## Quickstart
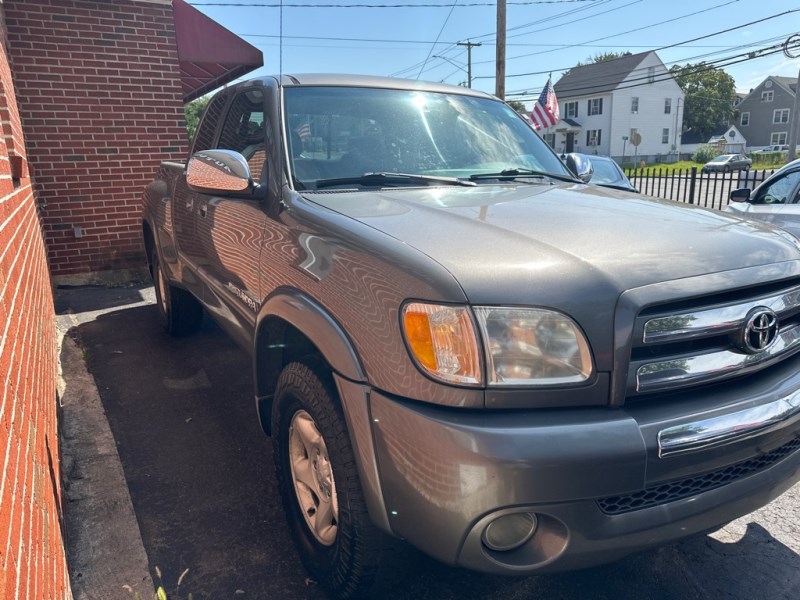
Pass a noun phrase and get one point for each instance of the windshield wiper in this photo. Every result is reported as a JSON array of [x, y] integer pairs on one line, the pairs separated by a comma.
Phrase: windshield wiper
[[384, 178], [521, 172]]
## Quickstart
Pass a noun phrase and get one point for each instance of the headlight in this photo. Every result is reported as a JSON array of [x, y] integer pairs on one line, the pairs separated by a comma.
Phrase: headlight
[[443, 342], [533, 346]]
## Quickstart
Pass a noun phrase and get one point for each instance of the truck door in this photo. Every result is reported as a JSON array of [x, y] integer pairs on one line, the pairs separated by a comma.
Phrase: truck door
[[185, 201], [230, 229]]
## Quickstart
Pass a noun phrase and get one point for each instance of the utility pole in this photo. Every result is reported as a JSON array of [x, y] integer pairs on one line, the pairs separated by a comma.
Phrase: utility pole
[[794, 122], [794, 119], [500, 61], [469, 46]]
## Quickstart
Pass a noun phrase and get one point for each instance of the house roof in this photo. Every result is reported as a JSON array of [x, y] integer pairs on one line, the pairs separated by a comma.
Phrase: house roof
[[597, 78], [695, 137], [787, 82]]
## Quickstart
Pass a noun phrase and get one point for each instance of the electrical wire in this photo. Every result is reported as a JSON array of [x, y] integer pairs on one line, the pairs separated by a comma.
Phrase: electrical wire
[[441, 30], [425, 5]]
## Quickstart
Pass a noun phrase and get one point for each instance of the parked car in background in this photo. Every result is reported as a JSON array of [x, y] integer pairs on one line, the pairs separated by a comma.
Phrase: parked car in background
[[603, 170], [776, 200], [727, 163], [777, 148]]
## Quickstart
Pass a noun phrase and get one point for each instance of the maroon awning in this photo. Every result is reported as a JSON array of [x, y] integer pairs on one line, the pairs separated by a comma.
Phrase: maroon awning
[[209, 54]]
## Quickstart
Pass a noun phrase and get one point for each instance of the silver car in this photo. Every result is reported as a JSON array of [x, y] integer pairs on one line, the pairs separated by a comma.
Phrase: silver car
[[727, 163], [776, 200]]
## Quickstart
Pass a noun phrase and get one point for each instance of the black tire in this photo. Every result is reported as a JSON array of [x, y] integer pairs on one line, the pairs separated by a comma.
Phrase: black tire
[[344, 553], [179, 312]]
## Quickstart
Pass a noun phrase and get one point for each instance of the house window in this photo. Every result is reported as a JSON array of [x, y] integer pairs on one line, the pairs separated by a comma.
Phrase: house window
[[592, 137], [777, 139], [767, 96], [595, 106], [667, 106], [635, 105], [651, 74], [665, 135], [780, 116], [744, 120], [550, 139], [571, 110]]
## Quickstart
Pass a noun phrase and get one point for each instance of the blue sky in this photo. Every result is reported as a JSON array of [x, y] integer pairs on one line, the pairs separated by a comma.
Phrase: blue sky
[[548, 36]]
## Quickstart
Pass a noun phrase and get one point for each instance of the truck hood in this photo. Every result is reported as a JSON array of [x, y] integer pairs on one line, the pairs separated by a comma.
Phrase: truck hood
[[525, 243]]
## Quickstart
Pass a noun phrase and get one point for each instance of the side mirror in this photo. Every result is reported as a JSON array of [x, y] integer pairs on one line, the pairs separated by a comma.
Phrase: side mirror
[[580, 166], [740, 195], [218, 172]]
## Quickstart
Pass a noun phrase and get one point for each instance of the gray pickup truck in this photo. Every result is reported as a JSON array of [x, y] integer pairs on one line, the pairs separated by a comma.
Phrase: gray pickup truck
[[458, 343]]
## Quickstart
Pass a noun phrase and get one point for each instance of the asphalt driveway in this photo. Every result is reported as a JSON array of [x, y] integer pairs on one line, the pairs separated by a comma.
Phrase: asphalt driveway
[[199, 473]]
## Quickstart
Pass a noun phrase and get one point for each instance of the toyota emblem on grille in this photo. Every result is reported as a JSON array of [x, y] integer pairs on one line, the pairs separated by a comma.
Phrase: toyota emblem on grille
[[760, 330]]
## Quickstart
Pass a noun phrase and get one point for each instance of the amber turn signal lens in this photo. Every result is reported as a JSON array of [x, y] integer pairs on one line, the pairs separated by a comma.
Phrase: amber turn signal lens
[[443, 341]]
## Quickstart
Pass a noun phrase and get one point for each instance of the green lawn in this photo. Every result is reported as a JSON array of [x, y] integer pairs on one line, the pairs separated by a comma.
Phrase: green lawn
[[758, 163]]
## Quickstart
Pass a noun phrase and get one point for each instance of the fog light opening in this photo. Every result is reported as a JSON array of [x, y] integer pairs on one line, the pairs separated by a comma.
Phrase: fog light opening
[[509, 531]]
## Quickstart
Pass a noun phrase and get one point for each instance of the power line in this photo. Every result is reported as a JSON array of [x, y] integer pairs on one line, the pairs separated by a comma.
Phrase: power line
[[563, 14], [630, 30], [397, 41], [685, 59], [426, 5], [667, 75], [441, 30], [696, 39]]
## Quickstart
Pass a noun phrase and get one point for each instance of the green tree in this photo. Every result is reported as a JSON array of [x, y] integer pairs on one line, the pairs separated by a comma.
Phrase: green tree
[[709, 92], [600, 57], [518, 106], [193, 111], [603, 57]]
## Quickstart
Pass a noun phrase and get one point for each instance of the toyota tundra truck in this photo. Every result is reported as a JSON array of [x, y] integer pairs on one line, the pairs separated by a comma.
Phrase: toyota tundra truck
[[457, 342]]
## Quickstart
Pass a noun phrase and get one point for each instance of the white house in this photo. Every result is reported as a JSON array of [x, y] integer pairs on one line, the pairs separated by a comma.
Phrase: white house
[[726, 138], [608, 105]]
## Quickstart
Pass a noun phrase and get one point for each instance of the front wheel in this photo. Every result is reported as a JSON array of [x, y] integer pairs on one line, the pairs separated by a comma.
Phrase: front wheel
[[319, 483]]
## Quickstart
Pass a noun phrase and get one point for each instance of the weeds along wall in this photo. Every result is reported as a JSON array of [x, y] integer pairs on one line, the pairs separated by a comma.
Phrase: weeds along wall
[[32, 556]]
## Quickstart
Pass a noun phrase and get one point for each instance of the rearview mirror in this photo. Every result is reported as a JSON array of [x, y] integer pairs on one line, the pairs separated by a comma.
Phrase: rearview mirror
[[740, 195], [580, 166]]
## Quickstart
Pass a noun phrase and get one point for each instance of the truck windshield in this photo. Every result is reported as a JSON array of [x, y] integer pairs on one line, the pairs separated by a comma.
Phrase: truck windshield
[[346, 132]]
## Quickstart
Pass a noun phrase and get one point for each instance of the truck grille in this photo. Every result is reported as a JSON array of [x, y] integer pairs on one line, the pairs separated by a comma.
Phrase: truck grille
[[713, 339], [685, 488]]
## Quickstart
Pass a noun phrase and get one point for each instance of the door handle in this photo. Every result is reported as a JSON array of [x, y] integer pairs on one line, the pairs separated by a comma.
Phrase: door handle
[[202, 210]]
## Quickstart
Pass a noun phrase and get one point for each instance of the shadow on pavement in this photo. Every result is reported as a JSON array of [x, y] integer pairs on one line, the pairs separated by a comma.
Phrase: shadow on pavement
[[201, 480]]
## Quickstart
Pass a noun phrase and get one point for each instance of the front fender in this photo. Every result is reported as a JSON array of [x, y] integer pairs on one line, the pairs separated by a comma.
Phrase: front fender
[[289, 314]]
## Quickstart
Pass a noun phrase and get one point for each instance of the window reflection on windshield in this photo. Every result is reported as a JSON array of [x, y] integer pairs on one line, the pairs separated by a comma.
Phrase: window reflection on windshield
[[337, 132]]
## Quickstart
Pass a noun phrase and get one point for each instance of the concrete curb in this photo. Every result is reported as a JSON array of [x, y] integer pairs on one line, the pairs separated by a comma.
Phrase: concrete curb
[[105, 553]]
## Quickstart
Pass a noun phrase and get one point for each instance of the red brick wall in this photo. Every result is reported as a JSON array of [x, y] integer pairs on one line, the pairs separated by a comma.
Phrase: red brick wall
[[98, 85], [32, 558]]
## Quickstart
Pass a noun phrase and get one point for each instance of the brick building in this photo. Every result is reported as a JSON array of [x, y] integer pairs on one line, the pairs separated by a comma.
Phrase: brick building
[[91, 100]]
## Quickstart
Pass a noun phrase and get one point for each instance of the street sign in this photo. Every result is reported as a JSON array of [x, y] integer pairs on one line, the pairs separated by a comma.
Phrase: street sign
[[624, 138]]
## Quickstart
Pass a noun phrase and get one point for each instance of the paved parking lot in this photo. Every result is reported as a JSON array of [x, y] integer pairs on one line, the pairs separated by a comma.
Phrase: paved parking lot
[[199, 473]]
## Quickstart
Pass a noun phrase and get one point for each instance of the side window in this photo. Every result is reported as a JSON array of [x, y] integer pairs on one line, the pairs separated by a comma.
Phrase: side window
[[244, 129], [779, 191], [204, 138]]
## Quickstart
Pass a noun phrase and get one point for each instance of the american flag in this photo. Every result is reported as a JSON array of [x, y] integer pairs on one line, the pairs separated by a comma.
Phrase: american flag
[[545, 111], [304, 131]]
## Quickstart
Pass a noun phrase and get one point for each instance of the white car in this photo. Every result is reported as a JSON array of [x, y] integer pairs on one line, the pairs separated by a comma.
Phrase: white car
[[776, 200], [777, 148]]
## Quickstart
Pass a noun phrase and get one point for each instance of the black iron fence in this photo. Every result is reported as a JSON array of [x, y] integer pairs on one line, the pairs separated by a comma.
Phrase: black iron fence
[[693, 186]]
